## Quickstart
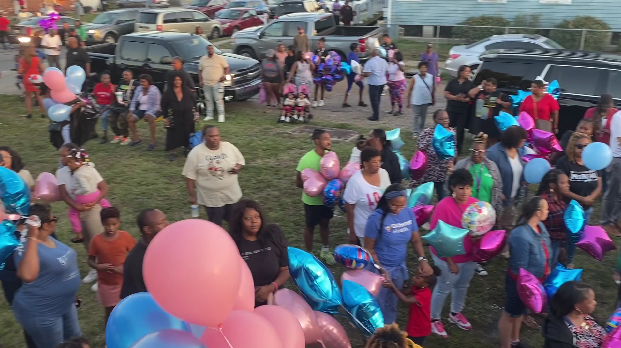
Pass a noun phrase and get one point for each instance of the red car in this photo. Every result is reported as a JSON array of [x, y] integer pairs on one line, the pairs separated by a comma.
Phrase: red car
[[236, 19], [208, 7]]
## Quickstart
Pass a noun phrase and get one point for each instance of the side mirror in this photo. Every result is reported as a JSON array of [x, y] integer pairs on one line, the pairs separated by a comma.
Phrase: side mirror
[[166, 60]]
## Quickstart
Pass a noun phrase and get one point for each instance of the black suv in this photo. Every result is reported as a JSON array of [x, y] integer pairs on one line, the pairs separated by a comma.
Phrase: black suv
[[583, 77]]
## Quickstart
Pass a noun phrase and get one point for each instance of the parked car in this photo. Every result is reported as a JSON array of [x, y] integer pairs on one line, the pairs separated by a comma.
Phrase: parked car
[[254, 42], [179, 19], [236, 19], [294, 6], [258, 5], [152, 52], [208, 7], [29, 29], [582, 76], [142, 3], [469, 54], [109, 26]]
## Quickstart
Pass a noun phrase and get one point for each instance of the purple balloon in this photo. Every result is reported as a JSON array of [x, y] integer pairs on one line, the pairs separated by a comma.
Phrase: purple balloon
[[422, 213], [595, 242], [526, 121], [418, 165], [490, 246], [531, 292], [544, 142]]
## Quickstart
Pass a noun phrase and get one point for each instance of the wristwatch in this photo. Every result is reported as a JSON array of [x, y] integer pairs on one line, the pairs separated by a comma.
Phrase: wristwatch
[[422, 258]]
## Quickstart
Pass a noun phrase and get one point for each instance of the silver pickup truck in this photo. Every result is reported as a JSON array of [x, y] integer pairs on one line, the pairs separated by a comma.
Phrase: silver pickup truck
[[254, 42]]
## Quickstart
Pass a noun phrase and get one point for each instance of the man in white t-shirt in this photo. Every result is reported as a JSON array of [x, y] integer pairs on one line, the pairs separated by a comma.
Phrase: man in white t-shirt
[[51, 42], [611, 205]]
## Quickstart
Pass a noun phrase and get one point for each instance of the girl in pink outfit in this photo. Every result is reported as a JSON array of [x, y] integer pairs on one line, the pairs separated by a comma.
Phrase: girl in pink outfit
[[86, 178]]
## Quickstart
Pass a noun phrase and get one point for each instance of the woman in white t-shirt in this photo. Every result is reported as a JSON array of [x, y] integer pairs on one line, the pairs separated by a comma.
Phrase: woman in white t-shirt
[[396, 82], [363, 192]]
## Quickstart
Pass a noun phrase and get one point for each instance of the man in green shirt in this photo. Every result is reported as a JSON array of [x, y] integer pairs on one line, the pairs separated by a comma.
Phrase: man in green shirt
[[315, 210]]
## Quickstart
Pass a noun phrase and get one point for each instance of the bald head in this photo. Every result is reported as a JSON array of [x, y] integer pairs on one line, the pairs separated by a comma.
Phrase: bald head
[[73, 42]]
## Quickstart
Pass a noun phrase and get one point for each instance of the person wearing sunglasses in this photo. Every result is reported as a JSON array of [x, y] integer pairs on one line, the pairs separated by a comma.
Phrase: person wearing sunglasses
[[585, 184]]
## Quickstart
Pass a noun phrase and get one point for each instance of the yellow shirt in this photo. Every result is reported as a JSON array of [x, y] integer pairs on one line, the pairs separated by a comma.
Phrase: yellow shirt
[[215, 186], [212, 69]]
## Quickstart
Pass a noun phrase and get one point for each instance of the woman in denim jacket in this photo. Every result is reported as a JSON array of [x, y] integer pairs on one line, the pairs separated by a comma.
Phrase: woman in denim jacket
[[529, 244], [145, 104]]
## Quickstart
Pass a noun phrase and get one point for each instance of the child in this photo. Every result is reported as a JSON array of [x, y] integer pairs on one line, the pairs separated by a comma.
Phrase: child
[[419, 299], [288, 104], [85, 188], [361, 143], [104, 92], [301, 104], [107, 254], [75, 342]]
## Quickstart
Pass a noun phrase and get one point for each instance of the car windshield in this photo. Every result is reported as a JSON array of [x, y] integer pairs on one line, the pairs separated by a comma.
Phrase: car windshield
[[477, 43], [192, 48], [228, 14], [236, 4], [199, 3], [553, 44], [105, 18]]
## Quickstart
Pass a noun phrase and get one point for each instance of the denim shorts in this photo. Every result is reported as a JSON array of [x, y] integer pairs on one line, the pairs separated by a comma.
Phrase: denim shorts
[[513, 304]]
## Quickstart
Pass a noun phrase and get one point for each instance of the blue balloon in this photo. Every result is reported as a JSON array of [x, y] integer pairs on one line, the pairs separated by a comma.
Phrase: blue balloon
[[345, 66], [404, 164], [597, 156], [169, 339], [14, 192], [332, 192], [73, 88], [137, 316], [504, 121], [448, 240], [575, 220], [443, 143], [422, 195], [362, 308], [59, 112], [352, 256], [558, 277], [75, 75], [394, 136], [314, 279], [8, 241], [48, 103], [535, 169]]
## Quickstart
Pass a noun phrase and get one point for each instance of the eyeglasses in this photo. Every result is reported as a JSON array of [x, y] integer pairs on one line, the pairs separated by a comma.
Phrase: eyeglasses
[[580, 146], [477, 152]]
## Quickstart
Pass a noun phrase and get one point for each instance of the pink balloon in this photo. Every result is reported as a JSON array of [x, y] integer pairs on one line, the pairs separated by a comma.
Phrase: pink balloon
[[314, 186], [418, 165], [358, 78], [531, 291], [371, 281], [595, 242], [350, 169], [46, 188], [192, 270], [245, 295], [240, 330], [63, 96], [330, 165], [304, 314], [422, 213], [287, 327], [491, 245], [333, 334], [526, 121], [544, 142], [54, 79]]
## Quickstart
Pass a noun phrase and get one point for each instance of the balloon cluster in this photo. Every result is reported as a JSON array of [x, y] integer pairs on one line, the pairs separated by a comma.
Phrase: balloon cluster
[[49, 22], [331, 71], [64, 90]]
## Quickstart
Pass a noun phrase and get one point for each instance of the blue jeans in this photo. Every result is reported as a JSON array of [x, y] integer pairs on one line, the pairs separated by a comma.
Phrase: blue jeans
[[47, 332], [387, 298]]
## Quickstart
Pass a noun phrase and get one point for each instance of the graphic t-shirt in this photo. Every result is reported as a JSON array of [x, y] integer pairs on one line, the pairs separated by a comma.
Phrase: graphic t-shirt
[[483, 182], [215, 186], [391, 239], [113, 252], [310, 160], [582, 180], [264, 259], [364, 197]]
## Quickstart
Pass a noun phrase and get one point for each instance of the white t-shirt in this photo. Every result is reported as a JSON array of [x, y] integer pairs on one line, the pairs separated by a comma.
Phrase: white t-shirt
[[365, 198], [394, 73], [82, 181], [615, 133], [50, 41], [517, 168]]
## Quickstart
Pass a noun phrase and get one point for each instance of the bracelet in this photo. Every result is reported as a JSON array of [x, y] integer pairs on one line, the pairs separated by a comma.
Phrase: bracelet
[[275, 286]]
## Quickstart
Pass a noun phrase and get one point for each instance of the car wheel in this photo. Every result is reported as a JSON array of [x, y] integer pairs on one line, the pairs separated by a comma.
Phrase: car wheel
[[248, 52], [235, 30], [109, 38], [215, 33]]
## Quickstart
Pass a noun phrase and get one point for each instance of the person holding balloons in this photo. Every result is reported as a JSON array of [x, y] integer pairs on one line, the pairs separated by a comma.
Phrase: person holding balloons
[[263, 247], [570, 323], [31, 66], [553, 188], [529, 245]]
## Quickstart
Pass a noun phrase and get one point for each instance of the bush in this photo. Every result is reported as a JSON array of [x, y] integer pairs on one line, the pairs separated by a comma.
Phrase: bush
[[526, 21], [475, 34], [594, 40]]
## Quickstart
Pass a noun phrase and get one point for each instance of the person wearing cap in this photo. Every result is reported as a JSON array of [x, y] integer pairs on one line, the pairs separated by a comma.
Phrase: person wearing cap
[[212, 72], [272, 76], [431, 57], [177, 65], [301, 41]]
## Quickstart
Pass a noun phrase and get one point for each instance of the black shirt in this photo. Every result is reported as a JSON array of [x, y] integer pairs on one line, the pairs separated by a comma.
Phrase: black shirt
[[455, 88], [265, 258], [77, 56], [132, 271], [489, 109], [582, 180]]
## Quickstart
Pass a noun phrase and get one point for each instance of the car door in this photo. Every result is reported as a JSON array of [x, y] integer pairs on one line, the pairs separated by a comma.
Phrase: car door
[[154, 62], [125, 23], [271, 36]]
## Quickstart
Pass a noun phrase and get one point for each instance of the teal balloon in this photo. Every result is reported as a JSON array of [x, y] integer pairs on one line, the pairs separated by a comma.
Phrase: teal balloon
[[394, 136], [14, 192], [59, 112], [8, 241], [447, 240], [504, 121], [169, 339], [362, 308], [314, 280], [558, 277], [75, 75], [597, 156], [535, 169], [404, 164], [575, 220], [137, 316], [443, 143], [421, 196]]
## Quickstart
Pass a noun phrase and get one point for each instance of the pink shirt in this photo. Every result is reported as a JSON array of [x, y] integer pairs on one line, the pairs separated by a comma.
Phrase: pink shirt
[[450, 212]]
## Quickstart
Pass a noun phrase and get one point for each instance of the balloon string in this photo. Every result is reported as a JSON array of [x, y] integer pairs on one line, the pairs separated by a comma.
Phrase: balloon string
[[226, 339]]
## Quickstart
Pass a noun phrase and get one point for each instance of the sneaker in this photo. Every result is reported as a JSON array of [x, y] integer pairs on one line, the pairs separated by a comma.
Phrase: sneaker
[[115, 140], [480, 271], [314, 104], [95, 287], [208, 118], [327, 257], [91, 276], [135, 143], [438, 329], [459, 320], [126, 141], [320, 103]]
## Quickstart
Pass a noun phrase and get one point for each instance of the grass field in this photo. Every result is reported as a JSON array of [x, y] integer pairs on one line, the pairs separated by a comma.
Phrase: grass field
[[139, 179]]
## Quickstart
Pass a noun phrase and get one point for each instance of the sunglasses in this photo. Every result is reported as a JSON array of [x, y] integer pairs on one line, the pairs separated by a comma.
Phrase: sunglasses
[[580, 146]]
